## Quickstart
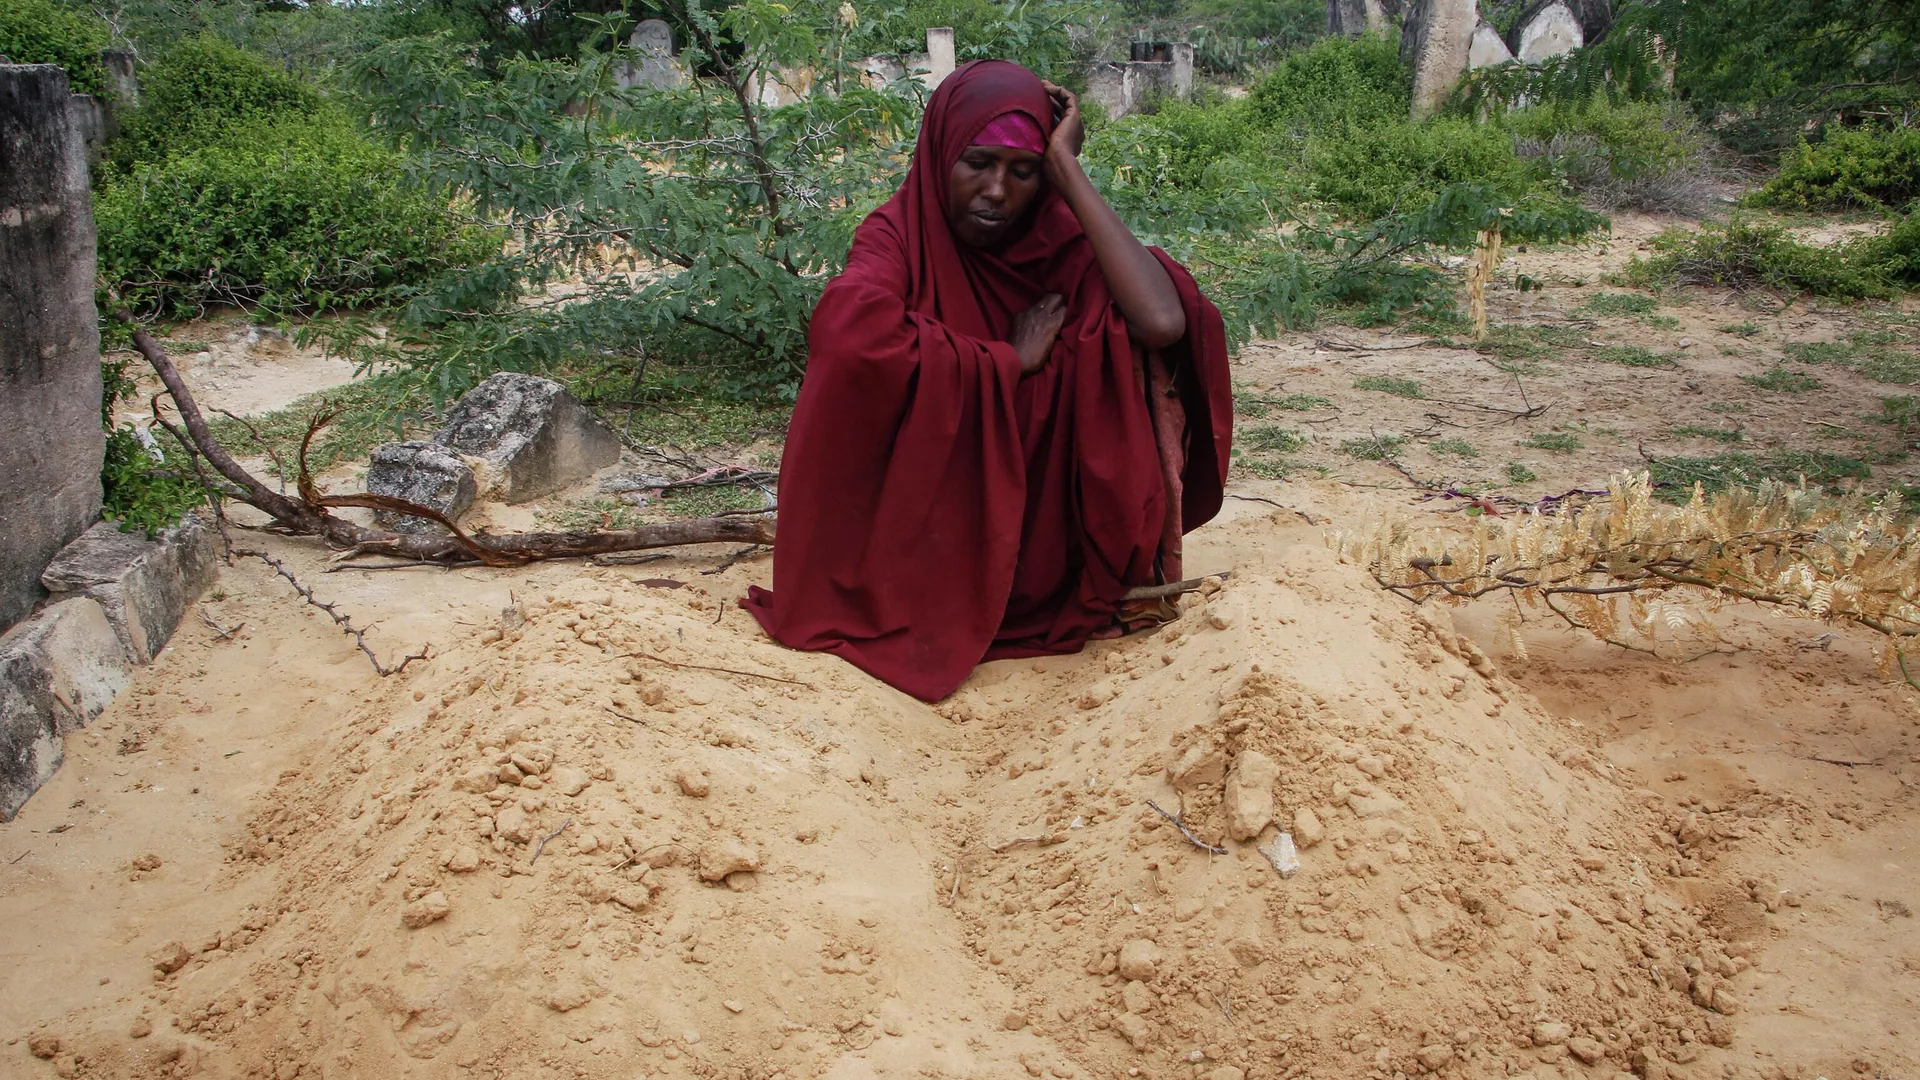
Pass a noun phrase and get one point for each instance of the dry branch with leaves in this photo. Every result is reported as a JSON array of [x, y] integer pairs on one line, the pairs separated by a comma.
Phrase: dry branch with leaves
[[1631, 569]]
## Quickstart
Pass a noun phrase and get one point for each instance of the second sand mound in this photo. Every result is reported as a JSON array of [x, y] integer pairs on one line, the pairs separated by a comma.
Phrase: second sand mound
[[620, 834]]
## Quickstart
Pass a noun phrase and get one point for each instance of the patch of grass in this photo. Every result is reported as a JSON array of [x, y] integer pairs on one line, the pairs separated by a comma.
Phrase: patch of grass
[[1902, 412], [185, 346], [1560, 442], [1719, 435], [699, 423], [1275, 468], [1871, 353], [1726, 407], [1518, 349], [1519, 473], [1374, 447], [1618, 303], [1820, 468], [1632, 356], [1406, 388], [1744, 329], [1783, 379], [1662, 322], [1273, 438], [1256, 406], [371, 411], [1459, 448]]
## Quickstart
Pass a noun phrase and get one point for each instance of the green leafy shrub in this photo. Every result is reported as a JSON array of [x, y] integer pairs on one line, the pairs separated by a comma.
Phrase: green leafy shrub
[[43, 32], [1368, 172], [1744, 254], [145, 483], [293, 215], [1734, 469], [201, 89], [1626, 154], [1337, 82], [1870, 168]]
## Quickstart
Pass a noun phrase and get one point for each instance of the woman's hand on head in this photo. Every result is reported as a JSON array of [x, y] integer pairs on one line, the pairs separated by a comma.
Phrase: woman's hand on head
[[1069, 131], [1036, 329]]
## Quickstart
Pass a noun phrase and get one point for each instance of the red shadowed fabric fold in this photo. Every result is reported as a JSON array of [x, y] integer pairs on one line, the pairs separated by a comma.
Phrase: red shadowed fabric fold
[[937, 509]]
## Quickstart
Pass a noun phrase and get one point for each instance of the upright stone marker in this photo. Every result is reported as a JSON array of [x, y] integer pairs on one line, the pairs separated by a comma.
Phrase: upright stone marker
[[1436, 40], [939, 55], [1550, 30], [1487, 50], [51, 444]]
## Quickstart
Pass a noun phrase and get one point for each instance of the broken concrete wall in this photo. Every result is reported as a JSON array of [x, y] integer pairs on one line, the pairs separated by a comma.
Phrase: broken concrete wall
[[144, 585], [51, 444], [57, 671]]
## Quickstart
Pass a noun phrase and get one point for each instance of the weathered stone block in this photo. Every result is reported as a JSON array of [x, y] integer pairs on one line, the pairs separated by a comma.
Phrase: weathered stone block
[[535, 437], [57, 671], [144, 585], [1435, 42], [51, 444], [424, 473]]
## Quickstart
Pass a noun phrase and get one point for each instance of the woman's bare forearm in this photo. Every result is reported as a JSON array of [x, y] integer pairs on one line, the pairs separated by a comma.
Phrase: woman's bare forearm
[[1139, 283]]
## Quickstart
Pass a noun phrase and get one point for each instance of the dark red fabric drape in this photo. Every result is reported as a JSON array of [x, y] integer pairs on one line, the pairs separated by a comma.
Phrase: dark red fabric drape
[[937, 509]]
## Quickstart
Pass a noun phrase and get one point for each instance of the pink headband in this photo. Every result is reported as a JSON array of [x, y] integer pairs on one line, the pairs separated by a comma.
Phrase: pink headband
[[1015, 129]]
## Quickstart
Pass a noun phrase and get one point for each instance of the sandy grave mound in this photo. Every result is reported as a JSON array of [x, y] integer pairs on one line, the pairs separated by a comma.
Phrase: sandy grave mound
[[565, 848]]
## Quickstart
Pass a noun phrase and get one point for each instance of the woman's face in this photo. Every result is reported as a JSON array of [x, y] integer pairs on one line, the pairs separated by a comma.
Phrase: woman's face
[[989, 193]]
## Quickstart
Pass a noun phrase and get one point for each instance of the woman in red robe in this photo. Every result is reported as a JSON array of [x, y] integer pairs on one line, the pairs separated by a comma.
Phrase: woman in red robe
[[1011, 413]]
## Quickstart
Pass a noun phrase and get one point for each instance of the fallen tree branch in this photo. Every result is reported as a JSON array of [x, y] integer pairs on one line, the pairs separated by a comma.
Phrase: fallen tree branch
[[307, 515], [345, 623], [1172, 588]]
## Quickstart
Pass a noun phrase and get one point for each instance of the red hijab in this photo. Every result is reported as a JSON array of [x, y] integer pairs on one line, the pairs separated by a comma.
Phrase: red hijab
[[938, 509]]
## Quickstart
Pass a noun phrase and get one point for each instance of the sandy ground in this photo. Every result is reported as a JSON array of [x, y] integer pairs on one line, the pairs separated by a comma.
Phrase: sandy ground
[[608, 830]]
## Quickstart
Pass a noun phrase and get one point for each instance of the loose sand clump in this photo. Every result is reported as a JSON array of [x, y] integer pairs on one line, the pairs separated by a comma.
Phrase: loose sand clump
[[563, 848]]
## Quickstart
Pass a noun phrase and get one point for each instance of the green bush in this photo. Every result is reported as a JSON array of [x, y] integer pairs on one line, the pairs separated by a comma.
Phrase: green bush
[[1743, 254], [198, 91], [1337, 82], [146, 483], [290, 215], [1868, 168], [1639, 154], [1895, 254], [42, 32], [1371, 171]]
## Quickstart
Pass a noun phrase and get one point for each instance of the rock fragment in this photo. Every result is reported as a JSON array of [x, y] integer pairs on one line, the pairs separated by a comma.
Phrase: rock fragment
[[1249, 794], [727, 855], [1307, 830], [170, 957], [1139, 959], [692, 779], [430, 908], [1551, 1033]]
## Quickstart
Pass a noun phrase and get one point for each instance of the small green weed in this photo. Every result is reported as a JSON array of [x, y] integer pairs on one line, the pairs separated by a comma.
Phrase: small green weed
[[1518, 349], [1618, 304], [1255, 406], [1518, 473], [1374, 447], [1560, 442], [1902, 411], [1662, 322], [1406, 388], [1720, 435], [1783, 379], [1272, 438], [1459, 448], [1745, 329], [1631, 356]]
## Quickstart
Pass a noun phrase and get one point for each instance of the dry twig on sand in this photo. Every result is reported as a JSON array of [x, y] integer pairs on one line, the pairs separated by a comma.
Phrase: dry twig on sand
[[344, 622], [1184, 831]]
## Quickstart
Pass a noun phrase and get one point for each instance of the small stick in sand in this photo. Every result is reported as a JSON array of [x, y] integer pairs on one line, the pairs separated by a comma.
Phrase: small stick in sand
[[1192, 839], [544, 839]]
